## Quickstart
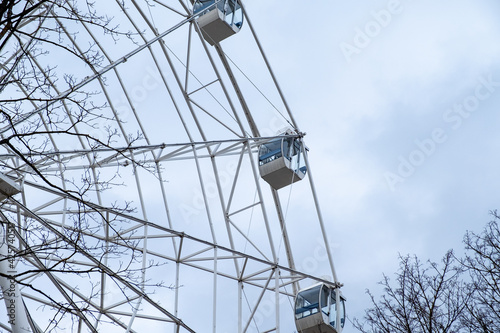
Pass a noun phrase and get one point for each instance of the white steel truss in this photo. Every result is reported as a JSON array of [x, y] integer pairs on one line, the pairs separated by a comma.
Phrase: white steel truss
[[141, 205]]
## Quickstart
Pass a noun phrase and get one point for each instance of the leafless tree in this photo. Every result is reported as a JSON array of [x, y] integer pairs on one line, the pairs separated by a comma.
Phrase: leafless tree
[[34, 36], [460, 295], [482, 261], [424, 298]]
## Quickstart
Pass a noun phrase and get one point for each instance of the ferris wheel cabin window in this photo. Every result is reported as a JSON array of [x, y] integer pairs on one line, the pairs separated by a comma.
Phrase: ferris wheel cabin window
[[270, 151], [307, 303], [317, 311], [281, 162]]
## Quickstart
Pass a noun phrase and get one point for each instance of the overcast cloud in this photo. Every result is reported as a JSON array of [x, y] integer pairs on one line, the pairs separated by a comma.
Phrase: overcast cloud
[[400, 101], [401, 104]]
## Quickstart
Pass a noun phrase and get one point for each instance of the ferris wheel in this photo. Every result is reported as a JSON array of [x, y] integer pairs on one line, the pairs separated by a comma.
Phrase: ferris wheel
[[152, 177]]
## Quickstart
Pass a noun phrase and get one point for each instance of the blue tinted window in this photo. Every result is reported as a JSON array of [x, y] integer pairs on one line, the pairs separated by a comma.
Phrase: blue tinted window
[[307, 302]]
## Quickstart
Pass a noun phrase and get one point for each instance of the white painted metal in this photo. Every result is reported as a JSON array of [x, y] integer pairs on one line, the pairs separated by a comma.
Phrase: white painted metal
[[214, 28], [7, 187], [16, 312], [279, 161], [182, 204], [217, 19], [316, 315]]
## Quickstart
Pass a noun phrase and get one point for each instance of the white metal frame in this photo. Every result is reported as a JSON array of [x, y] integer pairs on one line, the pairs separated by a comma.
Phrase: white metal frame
[[256, 269]]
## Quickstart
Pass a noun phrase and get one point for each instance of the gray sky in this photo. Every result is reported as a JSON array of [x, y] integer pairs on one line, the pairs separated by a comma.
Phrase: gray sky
[[400, 102]]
